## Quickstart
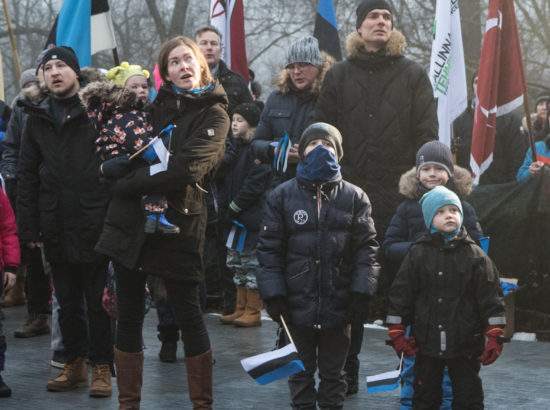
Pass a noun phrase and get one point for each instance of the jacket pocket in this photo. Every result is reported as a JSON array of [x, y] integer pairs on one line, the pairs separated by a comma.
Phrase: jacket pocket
[[279, 113], [93, 210], [49, 227]]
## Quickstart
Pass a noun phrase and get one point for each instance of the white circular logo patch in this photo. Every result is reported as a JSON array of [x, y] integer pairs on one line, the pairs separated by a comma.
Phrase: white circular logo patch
[[300, 217]]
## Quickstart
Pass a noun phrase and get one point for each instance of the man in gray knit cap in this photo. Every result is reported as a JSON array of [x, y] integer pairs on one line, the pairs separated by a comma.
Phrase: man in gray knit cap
[[382, 103]]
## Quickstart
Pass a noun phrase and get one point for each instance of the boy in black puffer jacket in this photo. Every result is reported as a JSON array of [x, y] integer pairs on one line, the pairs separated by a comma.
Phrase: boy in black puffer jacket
[[317, 254], [448, 290]]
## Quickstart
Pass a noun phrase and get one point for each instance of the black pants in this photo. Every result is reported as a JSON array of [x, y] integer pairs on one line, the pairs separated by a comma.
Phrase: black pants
[[464, 374], [85, 326], [38, 283], [326, 349], [356, 341], [184, 301]]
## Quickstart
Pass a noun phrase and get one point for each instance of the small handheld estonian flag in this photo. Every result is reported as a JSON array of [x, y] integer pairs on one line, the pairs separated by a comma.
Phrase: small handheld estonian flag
[[385, 381], [277, 364], [236, 237], [157, 150], [280, 161]]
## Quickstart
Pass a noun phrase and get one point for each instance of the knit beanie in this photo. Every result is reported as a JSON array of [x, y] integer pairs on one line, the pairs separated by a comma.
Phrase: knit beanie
[[28, 76], [366, 6], [434, 152], [250, 112], [65, 54], [436, 198], [324, 131], [304, 50], [543, 96], [119, 75]]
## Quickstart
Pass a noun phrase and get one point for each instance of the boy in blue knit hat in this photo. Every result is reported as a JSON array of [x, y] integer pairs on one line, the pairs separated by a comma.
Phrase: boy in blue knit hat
[[448, 290]]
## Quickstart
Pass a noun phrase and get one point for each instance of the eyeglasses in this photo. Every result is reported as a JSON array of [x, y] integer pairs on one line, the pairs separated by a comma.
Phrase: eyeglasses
[[298, 66]]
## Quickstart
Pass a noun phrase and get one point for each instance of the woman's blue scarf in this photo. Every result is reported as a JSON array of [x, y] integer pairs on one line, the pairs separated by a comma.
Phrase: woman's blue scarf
[[319, 165], [194, 91]]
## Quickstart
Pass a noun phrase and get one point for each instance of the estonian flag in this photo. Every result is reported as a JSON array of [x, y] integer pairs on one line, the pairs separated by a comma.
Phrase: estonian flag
[[84, 25], [236, 237], [277, 364], [383, 381], [326, 29]]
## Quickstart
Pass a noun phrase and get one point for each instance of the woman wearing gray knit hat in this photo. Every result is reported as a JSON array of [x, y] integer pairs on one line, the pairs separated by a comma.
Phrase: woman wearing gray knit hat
[[291, 107]]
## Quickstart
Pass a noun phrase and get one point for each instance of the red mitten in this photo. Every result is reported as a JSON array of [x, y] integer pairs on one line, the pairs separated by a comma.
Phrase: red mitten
[[400, 343], [493, 349]]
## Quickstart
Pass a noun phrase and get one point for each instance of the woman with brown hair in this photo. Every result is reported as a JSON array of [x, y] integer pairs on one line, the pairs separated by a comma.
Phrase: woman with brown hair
[[194, 103]]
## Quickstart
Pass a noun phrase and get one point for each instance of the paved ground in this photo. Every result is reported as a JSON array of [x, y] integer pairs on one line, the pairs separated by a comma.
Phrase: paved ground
[[518, 380]]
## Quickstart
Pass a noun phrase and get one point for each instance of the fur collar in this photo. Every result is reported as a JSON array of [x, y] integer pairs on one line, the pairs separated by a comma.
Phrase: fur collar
[[34, 94], [394, 47], [408, 183], [99, 91], [283, 79]]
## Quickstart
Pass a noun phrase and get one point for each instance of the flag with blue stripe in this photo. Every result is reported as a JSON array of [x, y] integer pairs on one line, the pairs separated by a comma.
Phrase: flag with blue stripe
[[326, 29], [383, 382], [275, 365]]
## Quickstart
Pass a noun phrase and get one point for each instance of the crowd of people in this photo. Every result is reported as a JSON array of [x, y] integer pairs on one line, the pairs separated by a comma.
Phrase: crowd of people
[[332, 194]]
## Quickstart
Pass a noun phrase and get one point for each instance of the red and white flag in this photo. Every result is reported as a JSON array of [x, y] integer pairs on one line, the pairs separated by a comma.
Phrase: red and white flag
[[228, 17], [501, 81]]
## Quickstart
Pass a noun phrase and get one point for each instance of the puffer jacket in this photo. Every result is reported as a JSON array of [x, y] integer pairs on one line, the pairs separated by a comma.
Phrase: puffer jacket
[[287, 110], [60, 198], [383, 105], [196, 147], [10, 255], [449, 293], [316, 259], [407, 224], [509, 149]]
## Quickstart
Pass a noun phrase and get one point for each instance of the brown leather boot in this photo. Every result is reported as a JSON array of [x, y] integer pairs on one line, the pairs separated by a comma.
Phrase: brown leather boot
[[37, 324], [239, 310], [199, 379], [73, 375], [16, 295], [129, 378], [252, 314], [101, 381]]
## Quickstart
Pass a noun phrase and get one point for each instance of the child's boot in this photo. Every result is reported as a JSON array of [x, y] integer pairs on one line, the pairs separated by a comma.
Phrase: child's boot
[[37, 324], [16, 295], [252, 314], [239, 310]]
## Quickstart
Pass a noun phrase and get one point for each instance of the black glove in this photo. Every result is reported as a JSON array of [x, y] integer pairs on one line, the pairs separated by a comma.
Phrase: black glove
[[359, 307], [228, 218], [116, 168], [276, 307]]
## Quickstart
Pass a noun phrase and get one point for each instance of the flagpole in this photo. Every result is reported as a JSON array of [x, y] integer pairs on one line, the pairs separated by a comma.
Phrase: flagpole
[[12, 40], [115, 57], [529, 128], [286, 328]]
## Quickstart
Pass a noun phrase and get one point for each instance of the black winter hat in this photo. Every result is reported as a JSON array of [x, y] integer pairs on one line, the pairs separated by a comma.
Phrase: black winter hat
[[366, 6], [434, 152], [250, 112], [543, 96], [324, 131], [65, 54]]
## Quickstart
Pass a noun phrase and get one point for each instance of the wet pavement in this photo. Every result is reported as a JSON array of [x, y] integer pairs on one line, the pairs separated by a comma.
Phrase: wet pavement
[[518, 380]]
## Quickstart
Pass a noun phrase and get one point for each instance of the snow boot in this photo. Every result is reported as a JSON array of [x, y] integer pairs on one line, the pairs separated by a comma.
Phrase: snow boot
[[101, 381], [252, 314], [74, 374], [239, 310], [169, 336]]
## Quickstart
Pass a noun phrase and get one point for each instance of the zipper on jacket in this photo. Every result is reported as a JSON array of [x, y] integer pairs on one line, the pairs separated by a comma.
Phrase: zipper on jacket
[[318, 255]]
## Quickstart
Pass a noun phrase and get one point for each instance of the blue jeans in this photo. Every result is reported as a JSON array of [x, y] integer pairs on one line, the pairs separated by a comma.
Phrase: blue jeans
[[79, 288]]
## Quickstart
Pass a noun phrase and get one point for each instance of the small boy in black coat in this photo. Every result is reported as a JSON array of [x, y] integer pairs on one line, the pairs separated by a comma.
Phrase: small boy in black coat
[[448, 290], [317, 254]]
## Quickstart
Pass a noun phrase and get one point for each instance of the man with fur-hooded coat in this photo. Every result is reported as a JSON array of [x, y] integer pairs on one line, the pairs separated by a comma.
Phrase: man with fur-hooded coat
[[382, 103]]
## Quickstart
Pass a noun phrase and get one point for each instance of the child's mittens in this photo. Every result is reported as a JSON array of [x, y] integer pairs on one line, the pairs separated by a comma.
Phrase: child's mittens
[[116, 168], [493, 348], [276, 307], [400, 343]]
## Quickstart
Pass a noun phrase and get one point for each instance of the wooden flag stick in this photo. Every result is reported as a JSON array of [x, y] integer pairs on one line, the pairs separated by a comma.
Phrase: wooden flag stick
[[12, 40], [135, 154], [286, 329], [529, 127]]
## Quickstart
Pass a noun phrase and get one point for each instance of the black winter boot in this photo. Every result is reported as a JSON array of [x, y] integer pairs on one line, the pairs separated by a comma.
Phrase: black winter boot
[[169, 336], [5, 391]]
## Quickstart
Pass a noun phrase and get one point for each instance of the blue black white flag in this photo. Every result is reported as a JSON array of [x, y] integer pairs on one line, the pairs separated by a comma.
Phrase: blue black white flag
[[236, 237], [326, 29], [383, 381], [271, 366]]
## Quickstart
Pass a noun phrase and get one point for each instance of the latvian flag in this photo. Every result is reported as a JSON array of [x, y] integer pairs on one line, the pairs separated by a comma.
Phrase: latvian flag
[[383, 382], [277, 364], [85, 26]]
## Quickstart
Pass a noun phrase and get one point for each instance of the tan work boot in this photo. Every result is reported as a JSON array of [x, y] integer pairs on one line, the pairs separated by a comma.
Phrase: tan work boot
[[252, 314], [16, 295], [37, 324], [239, 310], [73, 375], [101, 381]]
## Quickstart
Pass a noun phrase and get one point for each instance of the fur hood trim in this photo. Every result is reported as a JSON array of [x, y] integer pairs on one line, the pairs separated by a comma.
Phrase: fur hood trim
[[283, 78], [408, 183], [394, 47], [105, 92], [34, 94]]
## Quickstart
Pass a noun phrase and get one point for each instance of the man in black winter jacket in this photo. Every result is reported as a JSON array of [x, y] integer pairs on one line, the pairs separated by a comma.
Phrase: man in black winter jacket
[[382, 103], [61, 205]]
